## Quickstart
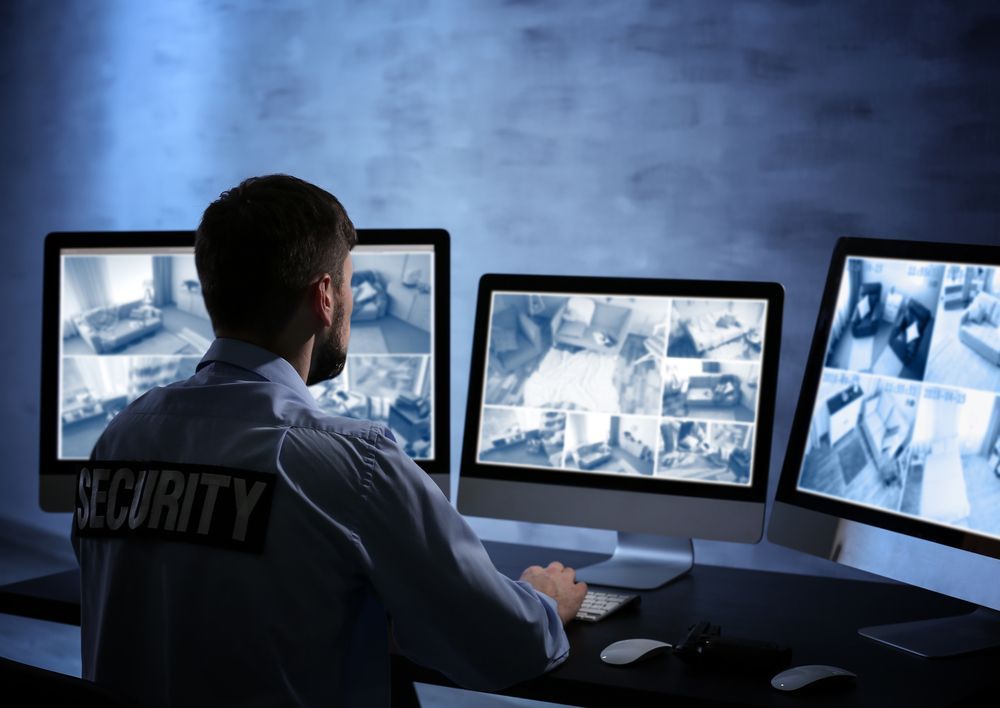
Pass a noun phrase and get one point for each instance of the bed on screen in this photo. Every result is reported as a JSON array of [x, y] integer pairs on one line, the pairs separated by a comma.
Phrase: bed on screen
[[580, 380], [944, 497], [713, 330]]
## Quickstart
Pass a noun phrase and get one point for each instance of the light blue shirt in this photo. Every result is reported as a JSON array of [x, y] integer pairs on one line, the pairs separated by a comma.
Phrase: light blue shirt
[[357, 531]]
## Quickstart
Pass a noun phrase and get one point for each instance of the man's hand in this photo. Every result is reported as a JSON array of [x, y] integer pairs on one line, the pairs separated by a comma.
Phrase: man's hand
[[559, 583]]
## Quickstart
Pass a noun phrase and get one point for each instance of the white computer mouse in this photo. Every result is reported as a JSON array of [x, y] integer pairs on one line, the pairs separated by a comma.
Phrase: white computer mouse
[[629, 650], [801, 676]]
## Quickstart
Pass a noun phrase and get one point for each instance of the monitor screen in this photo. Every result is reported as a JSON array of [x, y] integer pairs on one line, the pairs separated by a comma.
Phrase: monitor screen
[[893, 464], [664, 388], [636, 405], [906, 418], [125, 313], [131, 319]]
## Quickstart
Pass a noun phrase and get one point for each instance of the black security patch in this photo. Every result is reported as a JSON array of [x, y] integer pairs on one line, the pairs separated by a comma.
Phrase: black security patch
[[168, 501]]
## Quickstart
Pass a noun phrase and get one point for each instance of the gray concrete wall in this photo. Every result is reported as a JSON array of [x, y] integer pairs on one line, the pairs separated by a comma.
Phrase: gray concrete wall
[[661, 139]]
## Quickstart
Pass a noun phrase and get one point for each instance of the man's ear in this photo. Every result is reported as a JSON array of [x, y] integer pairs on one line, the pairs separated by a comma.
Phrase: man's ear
[[321, 295]]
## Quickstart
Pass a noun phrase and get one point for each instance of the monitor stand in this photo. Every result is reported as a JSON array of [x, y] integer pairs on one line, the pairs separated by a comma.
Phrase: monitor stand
[[641, 562], [943, 636]]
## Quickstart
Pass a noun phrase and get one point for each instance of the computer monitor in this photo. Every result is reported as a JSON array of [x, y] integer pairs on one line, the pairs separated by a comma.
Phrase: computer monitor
[[123, 312], [639, 406], [893, 464]]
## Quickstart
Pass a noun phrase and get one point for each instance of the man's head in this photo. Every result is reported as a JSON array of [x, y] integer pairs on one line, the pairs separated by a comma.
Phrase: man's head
[[273, 258]]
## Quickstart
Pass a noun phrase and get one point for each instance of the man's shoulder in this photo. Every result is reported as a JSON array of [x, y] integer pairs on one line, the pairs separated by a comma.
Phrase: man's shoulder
[[319, 426]]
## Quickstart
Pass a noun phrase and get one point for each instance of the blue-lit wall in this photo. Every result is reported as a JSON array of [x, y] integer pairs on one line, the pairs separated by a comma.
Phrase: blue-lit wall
[[664, 139]]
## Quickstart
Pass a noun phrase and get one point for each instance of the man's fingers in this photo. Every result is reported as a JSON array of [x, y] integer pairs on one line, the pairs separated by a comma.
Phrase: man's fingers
[[531, 571], [555, 565]]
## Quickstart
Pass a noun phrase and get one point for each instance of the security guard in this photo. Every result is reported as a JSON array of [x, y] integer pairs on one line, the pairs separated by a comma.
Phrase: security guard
[[239, 546]]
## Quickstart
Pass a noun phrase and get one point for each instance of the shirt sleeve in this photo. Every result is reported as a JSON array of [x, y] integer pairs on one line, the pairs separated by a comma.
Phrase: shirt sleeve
[[451, 609]]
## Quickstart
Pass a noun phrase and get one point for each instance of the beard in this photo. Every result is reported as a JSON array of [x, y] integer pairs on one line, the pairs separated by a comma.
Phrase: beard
[[330, 352]]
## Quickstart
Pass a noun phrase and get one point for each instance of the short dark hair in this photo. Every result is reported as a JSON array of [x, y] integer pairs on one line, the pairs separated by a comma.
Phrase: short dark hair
[[259, 245]]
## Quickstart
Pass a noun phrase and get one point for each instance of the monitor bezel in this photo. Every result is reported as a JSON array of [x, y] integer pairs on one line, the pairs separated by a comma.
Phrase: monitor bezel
[[51, 468], [756, 491], [787, 489]]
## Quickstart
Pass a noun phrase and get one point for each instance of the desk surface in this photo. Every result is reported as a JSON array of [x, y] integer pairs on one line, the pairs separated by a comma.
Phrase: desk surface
[[817, 617]]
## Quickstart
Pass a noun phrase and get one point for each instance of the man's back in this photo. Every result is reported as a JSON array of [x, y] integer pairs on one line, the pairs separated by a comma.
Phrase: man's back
[[351, 519]]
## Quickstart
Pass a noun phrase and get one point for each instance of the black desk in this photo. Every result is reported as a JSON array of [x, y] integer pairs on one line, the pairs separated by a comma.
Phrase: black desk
[[55, 598], [817, 617]]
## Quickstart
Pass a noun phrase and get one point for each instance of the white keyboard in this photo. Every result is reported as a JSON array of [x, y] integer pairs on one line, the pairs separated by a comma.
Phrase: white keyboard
[[598, 604]]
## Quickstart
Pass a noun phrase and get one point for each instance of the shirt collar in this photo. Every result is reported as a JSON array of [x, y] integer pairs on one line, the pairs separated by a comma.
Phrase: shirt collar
[[258, 360]]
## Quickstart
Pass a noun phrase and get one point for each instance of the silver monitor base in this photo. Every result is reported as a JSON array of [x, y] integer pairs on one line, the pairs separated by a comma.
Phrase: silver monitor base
[[944, 636], [641, 562]]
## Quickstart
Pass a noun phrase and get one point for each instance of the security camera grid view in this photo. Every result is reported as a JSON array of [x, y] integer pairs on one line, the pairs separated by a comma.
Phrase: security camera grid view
[[135, 320], [131, 321], [907, 414], [655, 387]]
